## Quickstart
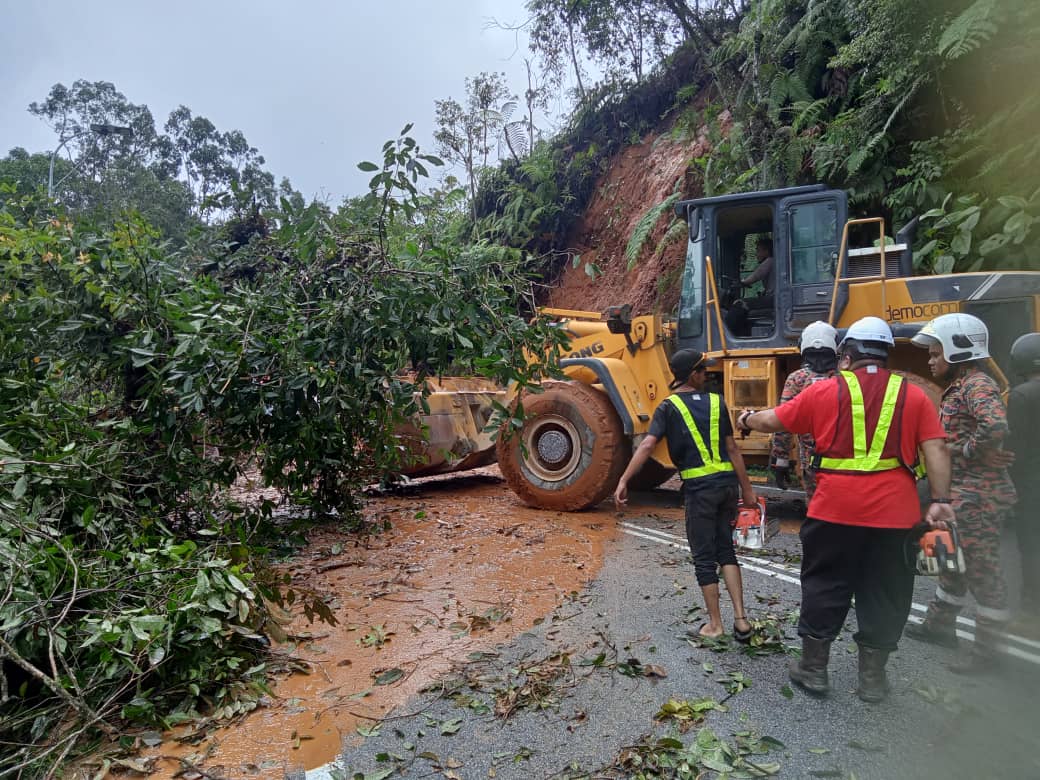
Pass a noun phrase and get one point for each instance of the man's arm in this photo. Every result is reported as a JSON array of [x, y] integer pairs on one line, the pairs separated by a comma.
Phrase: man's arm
[[639, 459], [736, 457], [760, 273], [937, 462], [782, 440], [991, 426], [765, 421]]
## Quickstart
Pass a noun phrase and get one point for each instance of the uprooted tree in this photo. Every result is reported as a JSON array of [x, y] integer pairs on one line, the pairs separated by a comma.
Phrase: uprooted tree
[[136, 385]]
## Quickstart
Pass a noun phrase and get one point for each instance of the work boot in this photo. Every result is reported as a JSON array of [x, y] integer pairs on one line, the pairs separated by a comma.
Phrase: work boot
[[984, 657], [873, 682], [944, 635], [810, 671]]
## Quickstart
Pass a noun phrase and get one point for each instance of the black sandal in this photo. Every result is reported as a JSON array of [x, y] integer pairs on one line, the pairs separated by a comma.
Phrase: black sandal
[[744, 637], [696, 633]]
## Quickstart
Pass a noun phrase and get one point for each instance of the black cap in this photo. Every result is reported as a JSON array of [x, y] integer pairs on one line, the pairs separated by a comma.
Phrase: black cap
[[683, 364]]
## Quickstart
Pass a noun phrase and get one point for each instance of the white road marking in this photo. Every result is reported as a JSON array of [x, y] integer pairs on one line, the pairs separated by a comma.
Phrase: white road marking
[[783, 572]]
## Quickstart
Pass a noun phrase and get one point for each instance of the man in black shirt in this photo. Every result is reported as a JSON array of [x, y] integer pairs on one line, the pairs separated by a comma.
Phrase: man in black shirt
[[1023, 411], [697, 427]]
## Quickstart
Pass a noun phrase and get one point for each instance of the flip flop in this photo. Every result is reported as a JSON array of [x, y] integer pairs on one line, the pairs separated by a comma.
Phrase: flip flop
[[742, 636], [696, 632]]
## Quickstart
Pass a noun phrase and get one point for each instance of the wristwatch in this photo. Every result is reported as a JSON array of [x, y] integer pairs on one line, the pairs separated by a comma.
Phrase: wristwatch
[[742, 420], [939, 501]]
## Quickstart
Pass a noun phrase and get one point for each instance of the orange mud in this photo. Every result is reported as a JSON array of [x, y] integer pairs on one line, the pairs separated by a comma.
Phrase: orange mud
[[464, 567]]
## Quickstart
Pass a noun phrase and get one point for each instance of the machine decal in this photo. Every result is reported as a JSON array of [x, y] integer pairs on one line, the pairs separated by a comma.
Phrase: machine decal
[[593, 349]]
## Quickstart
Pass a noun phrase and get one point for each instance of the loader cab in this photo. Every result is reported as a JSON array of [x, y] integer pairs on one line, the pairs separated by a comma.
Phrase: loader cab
[[800, 227]]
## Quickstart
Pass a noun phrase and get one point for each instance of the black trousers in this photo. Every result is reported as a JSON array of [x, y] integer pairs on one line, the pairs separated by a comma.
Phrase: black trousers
[[1027, 529], [842, 561], [710, 514]]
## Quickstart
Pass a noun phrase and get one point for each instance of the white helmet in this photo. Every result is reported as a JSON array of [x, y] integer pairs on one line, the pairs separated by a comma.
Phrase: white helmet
[[869, 329], [963, 337], [819, 335]]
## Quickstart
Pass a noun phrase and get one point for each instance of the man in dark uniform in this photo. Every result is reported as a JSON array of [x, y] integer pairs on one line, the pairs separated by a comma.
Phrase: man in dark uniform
[[869, 425], [975, 421], [1023, 412], [697, 427]]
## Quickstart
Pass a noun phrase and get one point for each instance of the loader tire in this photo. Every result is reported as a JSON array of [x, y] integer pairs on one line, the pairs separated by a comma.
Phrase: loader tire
[[576, 448]]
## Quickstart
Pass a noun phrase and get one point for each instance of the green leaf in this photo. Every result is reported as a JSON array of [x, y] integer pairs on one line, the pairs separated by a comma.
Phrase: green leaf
[[450, 727], [961, 244], [367, 166], [19, 487], [786, 692], [369, 731], [1013, 202], [389, 676], [1018, 224], [993, 243], [156, 654]]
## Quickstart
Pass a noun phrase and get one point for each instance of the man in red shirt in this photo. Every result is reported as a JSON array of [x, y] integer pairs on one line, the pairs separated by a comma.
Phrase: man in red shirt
[[869, 425]]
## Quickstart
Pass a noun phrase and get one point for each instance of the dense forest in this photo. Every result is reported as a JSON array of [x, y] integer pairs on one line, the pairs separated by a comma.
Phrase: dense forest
[[172, 319]]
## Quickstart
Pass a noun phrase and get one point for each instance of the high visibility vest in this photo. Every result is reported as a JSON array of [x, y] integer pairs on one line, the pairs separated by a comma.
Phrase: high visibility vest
[[713, 464], [863, 458]]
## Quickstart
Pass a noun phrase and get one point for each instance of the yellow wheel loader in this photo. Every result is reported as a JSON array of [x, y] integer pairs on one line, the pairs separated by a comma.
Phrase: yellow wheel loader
[[578, 434]]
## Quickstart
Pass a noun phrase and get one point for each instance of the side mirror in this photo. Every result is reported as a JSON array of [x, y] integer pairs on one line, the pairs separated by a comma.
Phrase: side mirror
[[693, 222]]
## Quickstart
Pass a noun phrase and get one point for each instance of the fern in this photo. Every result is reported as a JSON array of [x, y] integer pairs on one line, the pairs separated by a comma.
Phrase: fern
[[808, 113], [643, 228], [677, 230], [969, 31], [785, 88]]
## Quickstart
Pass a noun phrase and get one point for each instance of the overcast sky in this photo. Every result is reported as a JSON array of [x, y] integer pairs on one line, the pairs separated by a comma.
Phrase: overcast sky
[[316, 85]]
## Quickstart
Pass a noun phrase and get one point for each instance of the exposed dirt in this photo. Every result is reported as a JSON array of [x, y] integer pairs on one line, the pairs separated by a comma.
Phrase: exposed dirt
[[464, 567], [640, 177]]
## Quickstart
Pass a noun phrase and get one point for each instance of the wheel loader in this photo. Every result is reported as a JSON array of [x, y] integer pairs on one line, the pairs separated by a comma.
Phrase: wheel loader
[[578, 434]]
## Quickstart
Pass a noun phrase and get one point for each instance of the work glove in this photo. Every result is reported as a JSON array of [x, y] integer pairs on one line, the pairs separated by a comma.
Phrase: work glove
[[782, 473]]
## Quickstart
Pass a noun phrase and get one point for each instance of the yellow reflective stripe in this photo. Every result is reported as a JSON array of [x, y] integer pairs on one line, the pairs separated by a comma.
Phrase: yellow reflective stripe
[[862, 459], [851, 464], [713, 464]]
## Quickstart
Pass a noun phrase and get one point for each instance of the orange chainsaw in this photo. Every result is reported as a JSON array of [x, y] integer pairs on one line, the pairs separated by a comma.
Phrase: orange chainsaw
[[939, 552]]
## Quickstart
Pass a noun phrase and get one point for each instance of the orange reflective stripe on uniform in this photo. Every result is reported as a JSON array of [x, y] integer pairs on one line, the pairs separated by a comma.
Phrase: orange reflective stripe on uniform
[[864, 459], [713, 464]]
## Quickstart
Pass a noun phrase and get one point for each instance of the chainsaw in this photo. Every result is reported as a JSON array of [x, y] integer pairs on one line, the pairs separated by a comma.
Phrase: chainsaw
[[939, 552]]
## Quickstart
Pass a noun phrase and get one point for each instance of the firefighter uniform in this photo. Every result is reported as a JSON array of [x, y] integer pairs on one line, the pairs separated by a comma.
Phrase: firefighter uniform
[[783, 442], [974, 417]]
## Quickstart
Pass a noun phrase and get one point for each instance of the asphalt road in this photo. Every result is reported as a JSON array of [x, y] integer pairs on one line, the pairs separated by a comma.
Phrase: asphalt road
[[573, 720]]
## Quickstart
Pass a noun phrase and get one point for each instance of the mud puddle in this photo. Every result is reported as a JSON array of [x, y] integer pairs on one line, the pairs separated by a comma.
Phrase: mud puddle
[[463, 567]]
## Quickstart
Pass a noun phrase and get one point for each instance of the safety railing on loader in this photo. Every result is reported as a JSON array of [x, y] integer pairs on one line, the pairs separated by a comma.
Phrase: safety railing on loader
[[841, 267], [842, 263], [713, 301]]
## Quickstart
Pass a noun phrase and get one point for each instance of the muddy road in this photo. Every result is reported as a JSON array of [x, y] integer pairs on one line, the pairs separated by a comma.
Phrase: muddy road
[[479, 638], [461, 567]]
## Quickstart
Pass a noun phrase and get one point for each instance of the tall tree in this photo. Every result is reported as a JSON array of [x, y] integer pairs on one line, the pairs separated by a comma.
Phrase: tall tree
[[465, 135], [96, 126]]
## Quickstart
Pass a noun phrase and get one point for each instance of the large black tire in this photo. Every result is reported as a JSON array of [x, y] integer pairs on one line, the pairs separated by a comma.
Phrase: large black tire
[[576, 448]]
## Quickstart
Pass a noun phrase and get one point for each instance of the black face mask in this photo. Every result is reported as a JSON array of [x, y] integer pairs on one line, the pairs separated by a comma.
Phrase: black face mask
[[820, 361]]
